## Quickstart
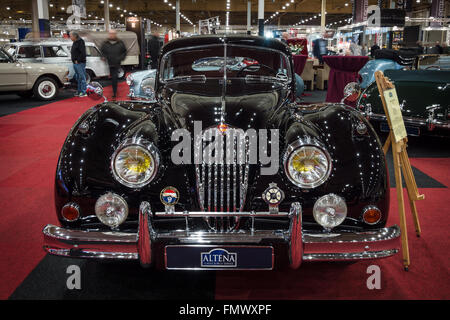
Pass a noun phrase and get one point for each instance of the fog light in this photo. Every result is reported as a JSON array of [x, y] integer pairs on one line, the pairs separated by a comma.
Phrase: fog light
[[330, 211], [111, 209], [371, 215], [70, 212]]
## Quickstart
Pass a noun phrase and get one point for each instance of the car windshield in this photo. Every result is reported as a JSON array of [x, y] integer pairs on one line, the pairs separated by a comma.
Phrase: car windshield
[[249, 63], [4, 57]]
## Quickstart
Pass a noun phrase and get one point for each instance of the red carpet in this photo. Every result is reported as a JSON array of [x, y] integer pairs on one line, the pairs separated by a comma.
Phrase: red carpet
[[30, 142], [428, 277]]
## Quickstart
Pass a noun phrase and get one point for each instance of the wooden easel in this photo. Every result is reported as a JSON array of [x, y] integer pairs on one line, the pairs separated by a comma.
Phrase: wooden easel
[[401, 165]]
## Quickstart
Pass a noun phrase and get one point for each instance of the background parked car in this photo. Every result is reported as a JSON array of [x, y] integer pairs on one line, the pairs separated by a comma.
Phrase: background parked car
[[424, 97], [57, 51], [142, 84], [28, 79]]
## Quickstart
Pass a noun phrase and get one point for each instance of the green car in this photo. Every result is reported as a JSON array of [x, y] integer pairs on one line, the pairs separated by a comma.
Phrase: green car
[[424, 96]]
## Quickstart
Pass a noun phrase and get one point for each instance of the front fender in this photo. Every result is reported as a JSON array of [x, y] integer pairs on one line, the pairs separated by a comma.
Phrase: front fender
[[84, 171]]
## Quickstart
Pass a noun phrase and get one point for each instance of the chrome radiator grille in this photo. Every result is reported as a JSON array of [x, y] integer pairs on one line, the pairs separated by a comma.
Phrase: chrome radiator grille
[[222, 175]]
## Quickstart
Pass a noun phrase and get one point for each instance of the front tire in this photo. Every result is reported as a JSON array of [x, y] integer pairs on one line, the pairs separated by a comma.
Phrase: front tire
[[45, 88]]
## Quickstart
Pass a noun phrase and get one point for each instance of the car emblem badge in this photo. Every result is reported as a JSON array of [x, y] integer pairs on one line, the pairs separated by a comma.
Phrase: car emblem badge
[[273, 196], [169, 197], [222, 128], [218, 258]]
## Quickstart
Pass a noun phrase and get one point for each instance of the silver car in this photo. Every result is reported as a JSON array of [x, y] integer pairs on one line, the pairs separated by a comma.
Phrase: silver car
[[57, 51], [42, 81]]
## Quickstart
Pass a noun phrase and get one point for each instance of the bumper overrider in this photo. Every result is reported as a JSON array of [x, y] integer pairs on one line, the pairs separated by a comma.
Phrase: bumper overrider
[[300, 246]]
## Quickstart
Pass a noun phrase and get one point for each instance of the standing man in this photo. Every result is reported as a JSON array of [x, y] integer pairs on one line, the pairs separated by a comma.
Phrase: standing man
[[439, 49], [114, 51], [419, 47], [78, 54], [154, 47]]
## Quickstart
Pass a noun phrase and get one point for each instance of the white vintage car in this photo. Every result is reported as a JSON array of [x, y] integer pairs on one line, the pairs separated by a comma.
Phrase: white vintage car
[[42, 81], [57, 51]]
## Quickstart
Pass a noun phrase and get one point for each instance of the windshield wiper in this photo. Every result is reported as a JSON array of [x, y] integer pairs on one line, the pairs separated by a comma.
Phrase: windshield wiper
[[259, 79], [198, 78]]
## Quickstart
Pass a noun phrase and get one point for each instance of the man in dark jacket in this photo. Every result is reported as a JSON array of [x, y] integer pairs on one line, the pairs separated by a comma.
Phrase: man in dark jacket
[[114, 51], [438, 48], [78, 54], [154, 47]]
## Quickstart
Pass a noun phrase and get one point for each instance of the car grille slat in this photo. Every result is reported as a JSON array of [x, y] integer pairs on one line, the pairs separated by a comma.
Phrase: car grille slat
[[224, 181]]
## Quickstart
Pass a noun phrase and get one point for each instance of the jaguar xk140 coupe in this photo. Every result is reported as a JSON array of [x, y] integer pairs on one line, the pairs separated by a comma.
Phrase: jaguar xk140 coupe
[[224, 170]]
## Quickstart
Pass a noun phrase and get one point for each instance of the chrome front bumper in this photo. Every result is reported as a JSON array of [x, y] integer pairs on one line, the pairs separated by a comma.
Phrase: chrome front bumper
[[379, 243]]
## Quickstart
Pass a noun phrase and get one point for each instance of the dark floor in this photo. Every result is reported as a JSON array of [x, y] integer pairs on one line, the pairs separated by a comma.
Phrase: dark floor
[[12, 103]]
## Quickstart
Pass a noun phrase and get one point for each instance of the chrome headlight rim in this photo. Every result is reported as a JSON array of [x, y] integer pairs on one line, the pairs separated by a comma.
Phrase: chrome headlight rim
[[121, 200], [295, 146], [145, 146], [341, 202], [147, 83]]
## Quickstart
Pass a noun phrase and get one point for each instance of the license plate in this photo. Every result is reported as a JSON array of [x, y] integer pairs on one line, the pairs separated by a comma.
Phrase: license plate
[[411, 131], [197, 257]]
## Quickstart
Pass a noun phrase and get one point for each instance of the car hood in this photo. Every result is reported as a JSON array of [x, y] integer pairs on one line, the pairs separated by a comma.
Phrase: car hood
[[242, 111]]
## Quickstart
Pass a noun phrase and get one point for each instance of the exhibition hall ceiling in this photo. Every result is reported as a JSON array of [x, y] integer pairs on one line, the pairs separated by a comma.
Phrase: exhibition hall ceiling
[[162, 12]]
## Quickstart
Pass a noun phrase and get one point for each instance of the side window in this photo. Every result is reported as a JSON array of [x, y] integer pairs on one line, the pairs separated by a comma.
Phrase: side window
[[29, 52], [53, 52], [92, 51]]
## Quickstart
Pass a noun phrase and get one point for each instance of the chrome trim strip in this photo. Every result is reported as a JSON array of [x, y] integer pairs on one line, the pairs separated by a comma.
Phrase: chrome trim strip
[[410, 120], [194, 214], [295, 236], [219, 238], [144, 242], [382, 234], [88, 254], [70, 235], [349, 256]]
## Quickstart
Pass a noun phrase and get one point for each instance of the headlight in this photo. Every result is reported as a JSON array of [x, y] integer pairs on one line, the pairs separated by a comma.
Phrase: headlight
[[111, 209], [307, 166], [129, 80], [330, 211], [147, 87], [134, 164]]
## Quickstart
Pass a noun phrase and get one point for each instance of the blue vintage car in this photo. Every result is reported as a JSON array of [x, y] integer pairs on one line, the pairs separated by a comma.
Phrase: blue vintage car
[[367, 72], [142, 84]]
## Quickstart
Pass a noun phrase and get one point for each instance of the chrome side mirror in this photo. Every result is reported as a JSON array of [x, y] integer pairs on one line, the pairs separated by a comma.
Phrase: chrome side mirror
[[351, 92], [94, 90]]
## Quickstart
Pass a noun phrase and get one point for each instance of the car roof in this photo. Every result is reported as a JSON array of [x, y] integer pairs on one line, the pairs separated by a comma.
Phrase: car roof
[[49, 42], [231, 39]]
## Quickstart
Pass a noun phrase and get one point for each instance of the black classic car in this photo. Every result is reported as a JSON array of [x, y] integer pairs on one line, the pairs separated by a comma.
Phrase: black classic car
[[223, 171]]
